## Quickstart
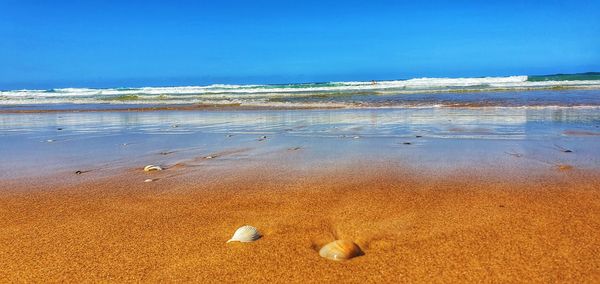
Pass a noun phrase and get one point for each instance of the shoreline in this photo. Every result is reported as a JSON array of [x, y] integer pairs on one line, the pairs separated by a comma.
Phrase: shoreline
[[226, 108], [553, 98], [186, 107]]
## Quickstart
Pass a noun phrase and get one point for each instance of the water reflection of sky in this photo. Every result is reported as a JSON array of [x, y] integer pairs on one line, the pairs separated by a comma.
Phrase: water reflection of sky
[[438, 136], [494, 122]]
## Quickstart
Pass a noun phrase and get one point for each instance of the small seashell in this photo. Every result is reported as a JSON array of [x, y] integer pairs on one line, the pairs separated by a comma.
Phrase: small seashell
[[245, 234], [209, 157], [340, 250], [149, 180], [78, 172], [50, 140], [150, 168]]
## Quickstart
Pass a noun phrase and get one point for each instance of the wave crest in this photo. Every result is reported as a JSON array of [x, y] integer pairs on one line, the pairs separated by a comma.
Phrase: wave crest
[[327, 92]]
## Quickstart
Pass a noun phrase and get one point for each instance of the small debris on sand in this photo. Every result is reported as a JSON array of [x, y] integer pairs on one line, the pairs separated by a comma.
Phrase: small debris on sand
[[580, 133], [262, 138], [406, 143], [294, 148], [563, 167], [418, 136], [563, 149], [514, 154]]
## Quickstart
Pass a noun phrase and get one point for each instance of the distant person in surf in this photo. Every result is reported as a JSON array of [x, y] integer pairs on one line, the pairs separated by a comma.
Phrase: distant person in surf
[[373, 82]]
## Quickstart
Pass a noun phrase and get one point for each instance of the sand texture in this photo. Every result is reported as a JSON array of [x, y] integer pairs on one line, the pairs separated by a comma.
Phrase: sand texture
[[410, 227]]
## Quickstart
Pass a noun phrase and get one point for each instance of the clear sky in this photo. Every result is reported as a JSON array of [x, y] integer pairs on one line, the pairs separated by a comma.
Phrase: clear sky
[[45, 44]]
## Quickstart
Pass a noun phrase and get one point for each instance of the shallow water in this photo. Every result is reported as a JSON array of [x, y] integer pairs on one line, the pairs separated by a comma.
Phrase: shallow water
[[513, 91], [422, 138]]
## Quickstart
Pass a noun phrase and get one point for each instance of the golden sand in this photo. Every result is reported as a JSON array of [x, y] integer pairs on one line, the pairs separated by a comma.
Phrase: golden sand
[[411, 228]]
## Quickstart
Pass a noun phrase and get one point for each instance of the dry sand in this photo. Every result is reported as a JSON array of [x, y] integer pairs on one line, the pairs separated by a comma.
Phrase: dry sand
[[412, 228]]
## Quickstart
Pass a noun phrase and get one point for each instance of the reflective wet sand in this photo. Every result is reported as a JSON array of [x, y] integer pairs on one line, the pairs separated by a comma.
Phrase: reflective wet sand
[[446, 195]]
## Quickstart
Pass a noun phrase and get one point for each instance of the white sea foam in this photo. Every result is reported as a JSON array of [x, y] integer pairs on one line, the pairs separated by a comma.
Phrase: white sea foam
[[269, 94]]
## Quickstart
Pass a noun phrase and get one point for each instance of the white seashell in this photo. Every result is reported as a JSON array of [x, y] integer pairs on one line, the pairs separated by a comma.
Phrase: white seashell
[[150, 168], [149, 180], [245, 234], [340, 250]]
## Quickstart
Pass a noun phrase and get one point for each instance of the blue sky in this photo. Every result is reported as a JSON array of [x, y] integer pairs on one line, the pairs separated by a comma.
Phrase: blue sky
[[45, 44]]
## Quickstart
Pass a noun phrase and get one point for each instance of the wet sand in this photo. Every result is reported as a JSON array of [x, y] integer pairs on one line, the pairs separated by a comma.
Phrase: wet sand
[[460, 227], [32, 109], [430, 195]]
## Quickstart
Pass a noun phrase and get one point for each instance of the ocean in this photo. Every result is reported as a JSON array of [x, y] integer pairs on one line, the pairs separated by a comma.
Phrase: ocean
[[561, 90]]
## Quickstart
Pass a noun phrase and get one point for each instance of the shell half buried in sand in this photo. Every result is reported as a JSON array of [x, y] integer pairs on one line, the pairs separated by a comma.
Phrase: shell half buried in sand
[[152, 168], [245, 234], [340, 250]]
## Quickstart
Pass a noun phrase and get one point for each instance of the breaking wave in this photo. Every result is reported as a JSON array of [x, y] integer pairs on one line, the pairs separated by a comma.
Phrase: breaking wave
[[336, 94]]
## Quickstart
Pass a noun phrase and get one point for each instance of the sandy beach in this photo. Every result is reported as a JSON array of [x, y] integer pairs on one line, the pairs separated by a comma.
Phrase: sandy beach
[[433, 195], [542, 227], [300, 142]]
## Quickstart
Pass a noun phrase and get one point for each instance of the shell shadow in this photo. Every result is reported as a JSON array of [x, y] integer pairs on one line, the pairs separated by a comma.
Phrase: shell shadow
[[379, 243], [329, 235]]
